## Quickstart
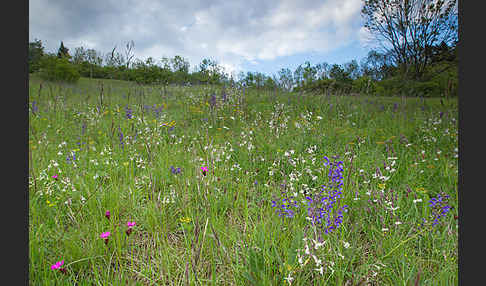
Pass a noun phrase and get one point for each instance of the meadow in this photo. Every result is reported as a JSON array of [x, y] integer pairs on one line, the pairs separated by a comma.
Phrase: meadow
[[204, 185]]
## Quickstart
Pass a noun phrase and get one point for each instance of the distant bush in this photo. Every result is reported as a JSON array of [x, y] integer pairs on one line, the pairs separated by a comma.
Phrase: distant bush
[[58, 69]]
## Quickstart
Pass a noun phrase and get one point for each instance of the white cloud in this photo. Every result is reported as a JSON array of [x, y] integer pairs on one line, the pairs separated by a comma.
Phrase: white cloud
[[231, 32]]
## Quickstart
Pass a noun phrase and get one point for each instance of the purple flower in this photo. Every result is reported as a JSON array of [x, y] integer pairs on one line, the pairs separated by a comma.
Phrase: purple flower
[[35, 108], [128, 112], [324, 208], [439, 206], [212, 101], [175, 171], [120, 137]]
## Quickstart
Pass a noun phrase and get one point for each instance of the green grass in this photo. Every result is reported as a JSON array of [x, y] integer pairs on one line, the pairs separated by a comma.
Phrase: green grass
[[221, 229]]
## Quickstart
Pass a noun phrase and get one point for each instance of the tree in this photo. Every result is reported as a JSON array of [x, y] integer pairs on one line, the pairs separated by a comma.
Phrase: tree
[[63, 52], [286, 79], [129, 54], [352, 68], [58, 69], [80, 55], [36, 51], [407, 29]]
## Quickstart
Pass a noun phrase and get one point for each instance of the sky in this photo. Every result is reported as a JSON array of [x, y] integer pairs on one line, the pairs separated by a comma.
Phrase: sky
[[240, 35]]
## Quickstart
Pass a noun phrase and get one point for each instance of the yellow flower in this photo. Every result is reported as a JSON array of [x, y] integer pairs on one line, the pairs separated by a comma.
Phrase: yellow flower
[[421, 190], [381, 186], [185, 219]]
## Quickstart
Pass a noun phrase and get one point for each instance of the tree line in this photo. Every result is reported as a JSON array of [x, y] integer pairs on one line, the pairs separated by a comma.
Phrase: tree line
[[417, 57]]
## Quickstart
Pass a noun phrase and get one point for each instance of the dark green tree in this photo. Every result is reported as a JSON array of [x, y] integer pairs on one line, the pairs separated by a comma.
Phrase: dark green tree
[[36, 51], [63, 52]]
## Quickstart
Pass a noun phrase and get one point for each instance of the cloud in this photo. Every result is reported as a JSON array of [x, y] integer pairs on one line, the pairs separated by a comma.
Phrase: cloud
[[231, 32]]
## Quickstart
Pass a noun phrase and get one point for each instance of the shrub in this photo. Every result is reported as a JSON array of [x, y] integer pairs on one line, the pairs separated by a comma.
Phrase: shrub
[[58, 70]]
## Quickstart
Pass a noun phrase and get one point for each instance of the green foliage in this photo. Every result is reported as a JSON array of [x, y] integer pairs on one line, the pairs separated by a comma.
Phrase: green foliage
[[36, 51], [58, 69]]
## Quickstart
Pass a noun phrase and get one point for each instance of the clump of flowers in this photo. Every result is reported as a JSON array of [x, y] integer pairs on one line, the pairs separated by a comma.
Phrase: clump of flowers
[[324, 209], [439, 206]]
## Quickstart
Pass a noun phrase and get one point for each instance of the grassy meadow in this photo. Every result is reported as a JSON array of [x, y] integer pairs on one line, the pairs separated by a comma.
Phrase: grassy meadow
[[246, 187]]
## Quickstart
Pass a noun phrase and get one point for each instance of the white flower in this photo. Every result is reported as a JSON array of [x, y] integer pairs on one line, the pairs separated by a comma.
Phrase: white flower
[[346, 244], [316, 260], [320, 270], [417, 201], [289, 278], [384, 229], [398, 222]]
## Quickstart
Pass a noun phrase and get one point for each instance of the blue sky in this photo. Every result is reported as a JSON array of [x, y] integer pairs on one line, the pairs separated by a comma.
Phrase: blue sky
[[241, 35], [344, 54]]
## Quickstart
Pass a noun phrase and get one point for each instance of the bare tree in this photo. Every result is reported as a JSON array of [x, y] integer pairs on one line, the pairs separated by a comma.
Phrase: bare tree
[[129, 54], [409, 29]]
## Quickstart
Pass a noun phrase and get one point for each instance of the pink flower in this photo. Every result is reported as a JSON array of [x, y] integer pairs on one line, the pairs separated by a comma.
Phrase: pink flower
[[107, 214], [204, 170], [57, 265], [105, 234], [130, 224], [54, 176]]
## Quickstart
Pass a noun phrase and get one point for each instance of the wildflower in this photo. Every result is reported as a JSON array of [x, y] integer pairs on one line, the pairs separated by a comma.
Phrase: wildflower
[[105, 236], [130, 226], [107, 214], [289, 279], [204, 170], [185, 219], [175, 171], [128, 112], [54, 176], [439, 207], [58, 265], [35, 108]]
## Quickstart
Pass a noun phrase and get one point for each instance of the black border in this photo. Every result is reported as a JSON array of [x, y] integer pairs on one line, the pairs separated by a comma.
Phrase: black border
[[471, 91]]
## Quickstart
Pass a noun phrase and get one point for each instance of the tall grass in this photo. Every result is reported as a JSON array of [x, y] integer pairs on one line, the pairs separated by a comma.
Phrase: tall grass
[[137, 152]]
